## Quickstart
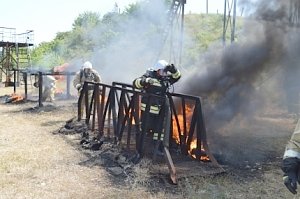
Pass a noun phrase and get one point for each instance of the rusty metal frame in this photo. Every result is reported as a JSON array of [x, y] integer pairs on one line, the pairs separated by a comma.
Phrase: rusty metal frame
[[40, 75], [121, 106]]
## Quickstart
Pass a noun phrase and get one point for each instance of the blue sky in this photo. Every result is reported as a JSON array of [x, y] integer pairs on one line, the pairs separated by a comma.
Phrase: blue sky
[[47, 17]]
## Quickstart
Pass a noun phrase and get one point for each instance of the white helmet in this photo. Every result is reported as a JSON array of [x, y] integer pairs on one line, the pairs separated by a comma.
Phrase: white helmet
[[87, 65], [161, 64]]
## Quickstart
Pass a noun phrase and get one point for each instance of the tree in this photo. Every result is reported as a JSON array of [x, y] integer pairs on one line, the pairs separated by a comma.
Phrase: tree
[[87, 20]]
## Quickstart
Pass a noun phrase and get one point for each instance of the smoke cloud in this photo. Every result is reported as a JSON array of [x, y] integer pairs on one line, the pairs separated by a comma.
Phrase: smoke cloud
[[230, 74], [129, 54], [232, 77]]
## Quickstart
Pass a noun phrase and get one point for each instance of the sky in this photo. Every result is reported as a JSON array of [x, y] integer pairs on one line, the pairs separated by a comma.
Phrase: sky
[[48, 17]]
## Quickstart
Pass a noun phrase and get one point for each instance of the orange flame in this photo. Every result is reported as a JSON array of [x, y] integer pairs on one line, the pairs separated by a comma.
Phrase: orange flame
[[59, 69], [203, 156], [193, 145], [59, 91], [14, 98]]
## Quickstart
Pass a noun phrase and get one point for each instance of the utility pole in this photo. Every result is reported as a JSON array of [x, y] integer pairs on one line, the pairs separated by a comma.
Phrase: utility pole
[[233, 22], [294, 12], [206, 6], [224, 24], [229, 19]]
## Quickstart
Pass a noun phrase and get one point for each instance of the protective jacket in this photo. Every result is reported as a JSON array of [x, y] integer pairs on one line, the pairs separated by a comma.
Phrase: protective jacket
[[291, 161], [292, 149], [49, 87], [151, 82], [49, 81], [154, 83], [81, 77]]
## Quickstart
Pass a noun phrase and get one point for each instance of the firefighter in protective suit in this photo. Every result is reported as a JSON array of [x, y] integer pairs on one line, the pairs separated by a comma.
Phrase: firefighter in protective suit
[[86, 73], [291, 161], [49, 87], [156, 81]]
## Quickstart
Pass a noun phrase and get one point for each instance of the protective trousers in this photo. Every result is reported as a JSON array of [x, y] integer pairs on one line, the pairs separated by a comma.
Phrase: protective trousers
[[49, 92], [155, 125], [82, 106]]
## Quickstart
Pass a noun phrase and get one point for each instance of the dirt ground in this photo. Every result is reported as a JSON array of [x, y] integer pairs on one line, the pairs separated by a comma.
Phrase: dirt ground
[[37, 162]]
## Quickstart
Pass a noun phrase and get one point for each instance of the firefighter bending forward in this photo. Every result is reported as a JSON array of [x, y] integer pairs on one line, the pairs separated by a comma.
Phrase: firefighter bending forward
[[291, 161], [49, 87], [86, 73], [156, 81]]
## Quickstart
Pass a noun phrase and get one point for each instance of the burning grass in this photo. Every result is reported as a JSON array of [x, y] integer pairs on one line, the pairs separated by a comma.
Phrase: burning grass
[[13, 98]]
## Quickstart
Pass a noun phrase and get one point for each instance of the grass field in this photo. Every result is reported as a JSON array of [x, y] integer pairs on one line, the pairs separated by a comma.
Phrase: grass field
[[35, 163]]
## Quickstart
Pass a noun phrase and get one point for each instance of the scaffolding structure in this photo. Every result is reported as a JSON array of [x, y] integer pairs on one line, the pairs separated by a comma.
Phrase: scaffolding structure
[[14, 54], [172, 36]]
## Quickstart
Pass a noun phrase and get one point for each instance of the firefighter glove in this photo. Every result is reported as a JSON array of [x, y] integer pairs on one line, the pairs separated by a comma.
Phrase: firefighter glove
[[171, 68], [147, 81], [290, 168], [78, 87]]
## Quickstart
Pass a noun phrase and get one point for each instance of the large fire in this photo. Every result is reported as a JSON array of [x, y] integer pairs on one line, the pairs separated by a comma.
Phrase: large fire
[[60, 78], [60, 69], [193, 146]]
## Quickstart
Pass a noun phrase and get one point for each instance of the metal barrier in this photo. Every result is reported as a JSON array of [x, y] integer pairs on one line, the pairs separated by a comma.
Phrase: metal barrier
[[39, 78], [119, 103]]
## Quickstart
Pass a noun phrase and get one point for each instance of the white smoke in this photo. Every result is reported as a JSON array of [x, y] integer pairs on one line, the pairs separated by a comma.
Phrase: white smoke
[[134, 50]]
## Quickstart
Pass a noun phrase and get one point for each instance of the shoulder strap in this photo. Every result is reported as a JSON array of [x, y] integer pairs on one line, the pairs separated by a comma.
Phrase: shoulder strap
[[81, 74]]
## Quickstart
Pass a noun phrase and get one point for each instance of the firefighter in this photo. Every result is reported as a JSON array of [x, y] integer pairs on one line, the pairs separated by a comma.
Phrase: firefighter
[[86, 73], [49, 87], [291, 161], [156, 81]]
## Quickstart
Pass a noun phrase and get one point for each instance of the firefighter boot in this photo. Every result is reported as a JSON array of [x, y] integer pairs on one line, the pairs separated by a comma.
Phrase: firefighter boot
[[158, 148]]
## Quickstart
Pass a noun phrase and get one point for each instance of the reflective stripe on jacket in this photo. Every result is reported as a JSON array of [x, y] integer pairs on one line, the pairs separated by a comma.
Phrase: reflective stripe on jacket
[[159, 86]]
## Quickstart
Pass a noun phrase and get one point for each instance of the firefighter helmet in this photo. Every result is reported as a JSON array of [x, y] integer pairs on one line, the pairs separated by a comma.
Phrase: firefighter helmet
[[87, 65], [161, 64]]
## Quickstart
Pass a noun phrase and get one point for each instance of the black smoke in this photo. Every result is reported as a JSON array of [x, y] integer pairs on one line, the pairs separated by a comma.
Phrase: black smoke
[[229, 75], [232, 76]]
